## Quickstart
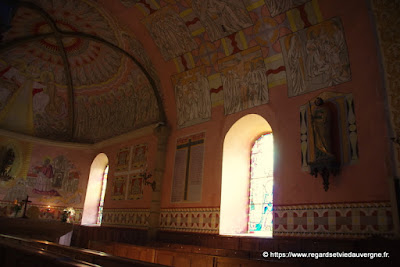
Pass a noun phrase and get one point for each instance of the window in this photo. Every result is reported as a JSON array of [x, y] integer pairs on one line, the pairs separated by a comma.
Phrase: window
[[239, 145], [261, 186], [102, 195], [95, 192]]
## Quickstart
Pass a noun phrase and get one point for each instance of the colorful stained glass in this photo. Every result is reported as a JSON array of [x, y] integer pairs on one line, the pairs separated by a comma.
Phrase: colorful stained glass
[[103, 193], [261, 186]]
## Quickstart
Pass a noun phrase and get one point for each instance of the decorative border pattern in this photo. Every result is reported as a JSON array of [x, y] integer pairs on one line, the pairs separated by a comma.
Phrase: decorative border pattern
[[135, 218], [353, 220], [338, 220], [200, 220]]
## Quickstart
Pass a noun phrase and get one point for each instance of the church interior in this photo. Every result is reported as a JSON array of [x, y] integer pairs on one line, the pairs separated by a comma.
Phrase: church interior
[[199, 132]]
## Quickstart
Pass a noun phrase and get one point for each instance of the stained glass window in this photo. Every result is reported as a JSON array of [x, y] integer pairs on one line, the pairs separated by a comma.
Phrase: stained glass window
[[261, 186], [103, 193]]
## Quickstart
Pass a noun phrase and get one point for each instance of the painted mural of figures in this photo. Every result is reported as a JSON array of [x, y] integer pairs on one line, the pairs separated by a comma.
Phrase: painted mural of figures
[[17, 191], [326, 54], [204, 99], [277, 7], [192, 96], [257, 83], [45, 176], [8, 83], [221, 18], [244, 80], [170, 33], [24, 75], [316, 57], [296, 60], [231, 83]]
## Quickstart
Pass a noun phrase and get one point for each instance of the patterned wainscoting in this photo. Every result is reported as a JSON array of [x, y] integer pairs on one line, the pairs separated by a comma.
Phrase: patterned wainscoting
[[344, 220], [135, 218], [341, 220], [39, 211], [200, 220]]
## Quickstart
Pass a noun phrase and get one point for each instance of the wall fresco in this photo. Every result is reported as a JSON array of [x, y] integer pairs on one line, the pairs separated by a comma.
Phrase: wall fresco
[[221, 18], [244, 80], [316, 57], [277, 7], [52, 180], [169, 33], [128, 182], [192, 95]]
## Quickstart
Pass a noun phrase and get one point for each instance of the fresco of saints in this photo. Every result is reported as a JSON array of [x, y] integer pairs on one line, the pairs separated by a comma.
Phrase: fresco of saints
[[44, 179]]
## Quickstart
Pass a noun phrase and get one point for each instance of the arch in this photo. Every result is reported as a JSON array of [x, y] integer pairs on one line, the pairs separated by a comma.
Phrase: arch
[[235, 172], [94, 188]]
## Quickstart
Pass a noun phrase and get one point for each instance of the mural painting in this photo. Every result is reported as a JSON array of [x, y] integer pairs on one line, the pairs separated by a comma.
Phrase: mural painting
[[29, 101], [130, 106], [52, 180], [131, 163], [119, 188], [192, 94], [129, 3], [139, 157], [123, 159], [244, 80], [316, 57], [220, 17], [135, 187], [169, 33], [277, 7]]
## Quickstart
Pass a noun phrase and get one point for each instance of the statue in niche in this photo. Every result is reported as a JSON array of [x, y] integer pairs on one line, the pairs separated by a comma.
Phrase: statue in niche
[[325, 161]]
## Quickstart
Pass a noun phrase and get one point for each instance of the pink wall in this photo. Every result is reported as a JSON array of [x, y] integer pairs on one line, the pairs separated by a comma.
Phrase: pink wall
[[111, 153], [362, 182], [73, 166]]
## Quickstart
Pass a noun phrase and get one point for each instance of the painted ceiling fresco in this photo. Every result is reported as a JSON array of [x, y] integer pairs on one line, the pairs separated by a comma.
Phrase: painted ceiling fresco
[[228, 53], [240, 49], [107, 85]]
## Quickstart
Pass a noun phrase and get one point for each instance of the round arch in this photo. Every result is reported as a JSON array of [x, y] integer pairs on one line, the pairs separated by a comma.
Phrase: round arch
[[235, 172], [93, 192]]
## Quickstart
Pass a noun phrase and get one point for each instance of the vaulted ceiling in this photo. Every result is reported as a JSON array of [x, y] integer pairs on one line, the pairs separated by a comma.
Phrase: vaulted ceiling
[[86, 70], [69, 72]]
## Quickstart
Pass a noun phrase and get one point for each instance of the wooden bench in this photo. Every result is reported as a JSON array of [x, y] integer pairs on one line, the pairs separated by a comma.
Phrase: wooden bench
[[69, 254], [184, 255]]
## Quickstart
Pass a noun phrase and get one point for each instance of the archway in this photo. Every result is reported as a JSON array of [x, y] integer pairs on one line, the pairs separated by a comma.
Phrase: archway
[[238, 142], [94, 190]]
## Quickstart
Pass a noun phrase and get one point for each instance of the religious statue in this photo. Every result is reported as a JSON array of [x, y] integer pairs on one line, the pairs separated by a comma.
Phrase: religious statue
[[325, 162]]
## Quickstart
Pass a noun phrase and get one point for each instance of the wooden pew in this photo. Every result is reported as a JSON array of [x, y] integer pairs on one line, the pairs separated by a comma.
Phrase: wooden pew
[[184, 255], [86, 256]]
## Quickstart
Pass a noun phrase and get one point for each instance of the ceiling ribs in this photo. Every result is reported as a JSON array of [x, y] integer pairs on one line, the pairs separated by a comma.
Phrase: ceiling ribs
[[58, 35], [63, 54]]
